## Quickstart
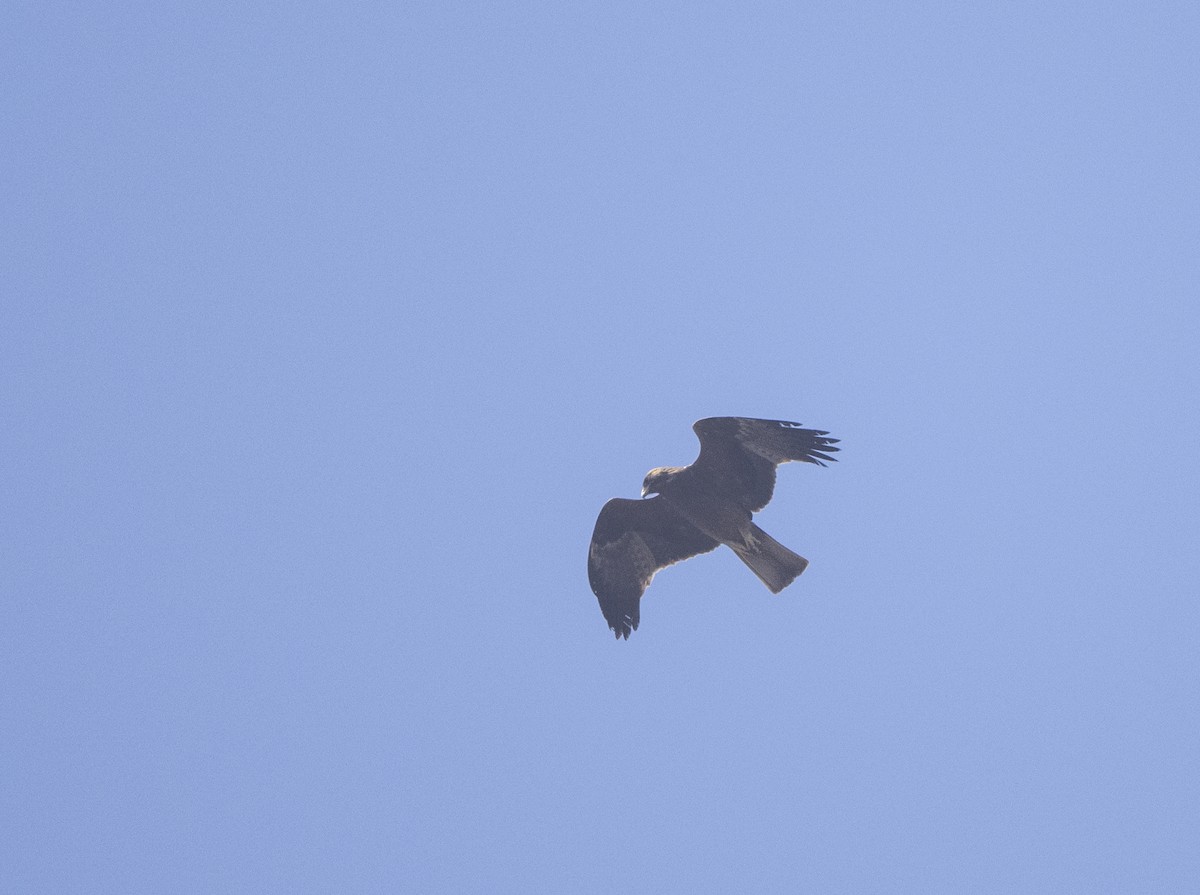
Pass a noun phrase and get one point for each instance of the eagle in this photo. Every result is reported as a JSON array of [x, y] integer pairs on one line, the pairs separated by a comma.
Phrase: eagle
[[689, 510]]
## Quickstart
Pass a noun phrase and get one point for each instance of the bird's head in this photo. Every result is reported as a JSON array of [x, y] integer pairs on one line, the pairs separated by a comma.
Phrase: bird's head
[[656, 478]]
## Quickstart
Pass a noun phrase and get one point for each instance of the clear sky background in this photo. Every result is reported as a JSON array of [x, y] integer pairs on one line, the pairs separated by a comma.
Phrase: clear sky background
[[328, 328]]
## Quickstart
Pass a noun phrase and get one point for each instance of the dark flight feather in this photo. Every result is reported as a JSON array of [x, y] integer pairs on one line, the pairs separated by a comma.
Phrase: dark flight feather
[[632, 540]]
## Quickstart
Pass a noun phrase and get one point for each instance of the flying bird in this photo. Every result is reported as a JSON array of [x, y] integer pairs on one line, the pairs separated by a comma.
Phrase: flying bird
[[689, 510]]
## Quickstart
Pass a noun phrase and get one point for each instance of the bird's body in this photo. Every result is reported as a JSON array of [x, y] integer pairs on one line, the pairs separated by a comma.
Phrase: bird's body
[[698, 507]]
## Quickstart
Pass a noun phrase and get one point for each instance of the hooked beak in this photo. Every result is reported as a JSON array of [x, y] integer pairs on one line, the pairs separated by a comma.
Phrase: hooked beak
[[647, 493]]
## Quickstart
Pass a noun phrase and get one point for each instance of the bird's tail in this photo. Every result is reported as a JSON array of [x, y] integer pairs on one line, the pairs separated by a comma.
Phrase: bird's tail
[[774, 564]]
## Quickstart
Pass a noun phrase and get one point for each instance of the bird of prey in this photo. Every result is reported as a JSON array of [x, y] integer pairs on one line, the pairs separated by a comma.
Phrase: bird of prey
[[688, 510]]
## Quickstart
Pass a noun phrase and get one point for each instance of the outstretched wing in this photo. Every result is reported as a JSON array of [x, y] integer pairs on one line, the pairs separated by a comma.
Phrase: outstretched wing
[[632, 540], [738, 455]]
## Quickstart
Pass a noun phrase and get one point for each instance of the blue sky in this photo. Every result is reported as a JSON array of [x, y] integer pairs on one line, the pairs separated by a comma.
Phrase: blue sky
[[329, 328]]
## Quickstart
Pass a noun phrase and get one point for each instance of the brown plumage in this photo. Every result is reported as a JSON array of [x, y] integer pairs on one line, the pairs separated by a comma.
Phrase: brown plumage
[[698, 507]]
